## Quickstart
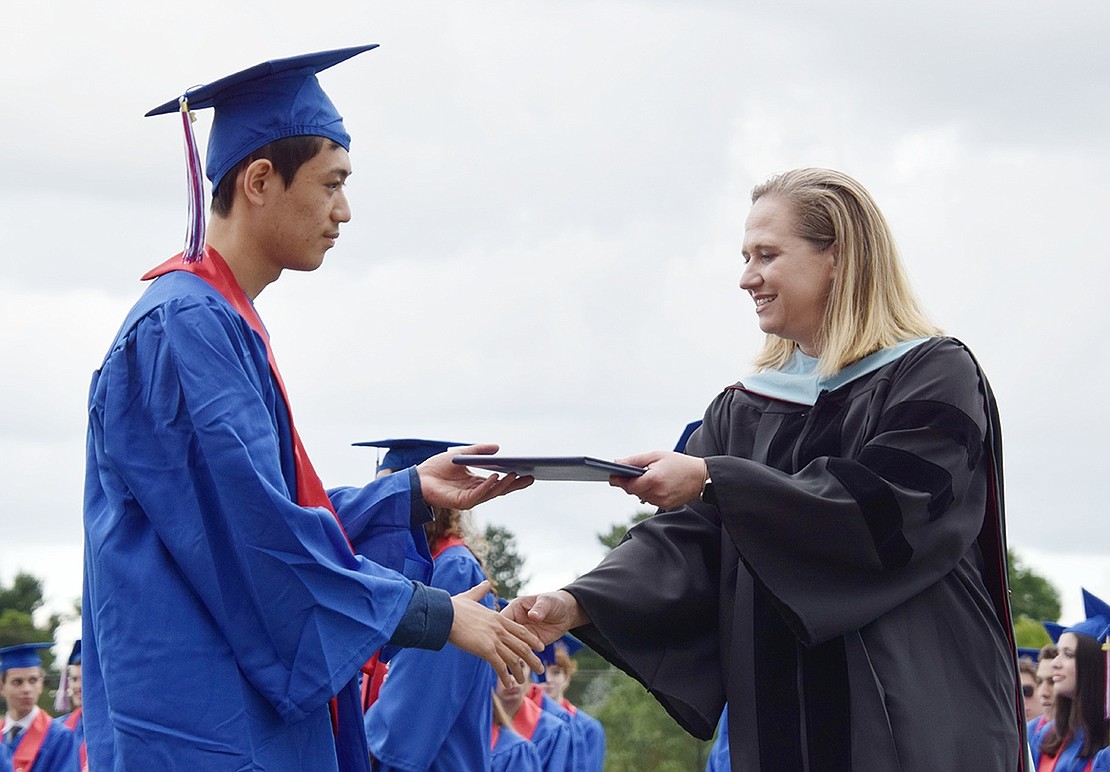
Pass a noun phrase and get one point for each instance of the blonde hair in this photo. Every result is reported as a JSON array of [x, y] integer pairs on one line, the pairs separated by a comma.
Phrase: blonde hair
[[870, 305]]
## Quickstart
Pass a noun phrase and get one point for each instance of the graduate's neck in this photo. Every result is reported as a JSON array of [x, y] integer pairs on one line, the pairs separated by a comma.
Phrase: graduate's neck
[[246, 259]]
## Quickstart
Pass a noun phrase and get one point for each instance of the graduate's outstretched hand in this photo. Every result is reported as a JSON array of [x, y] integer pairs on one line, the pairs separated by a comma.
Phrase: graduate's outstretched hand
[[671, 480], [548, 615], [498, 640], [446, 484]]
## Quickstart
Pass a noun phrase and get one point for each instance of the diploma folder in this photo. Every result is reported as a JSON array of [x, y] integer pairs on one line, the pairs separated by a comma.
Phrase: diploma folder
[[574, 468]]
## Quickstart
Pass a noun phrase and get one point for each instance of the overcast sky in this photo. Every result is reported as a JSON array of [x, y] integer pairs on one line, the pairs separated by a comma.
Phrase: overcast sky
[[548, 206]]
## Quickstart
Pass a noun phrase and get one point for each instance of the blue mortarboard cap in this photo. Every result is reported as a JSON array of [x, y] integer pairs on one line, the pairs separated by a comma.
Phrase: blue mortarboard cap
[[403, 453], [75, 654], [274, 99], [22, 655], [1097, 623], [1031, 654], [1054, 630], [689, 430], [567, 643]]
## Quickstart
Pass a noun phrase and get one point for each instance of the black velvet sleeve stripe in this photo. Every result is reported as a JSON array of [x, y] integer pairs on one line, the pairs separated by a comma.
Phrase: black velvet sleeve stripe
[[939, 416], [880, 510], [911, 471]]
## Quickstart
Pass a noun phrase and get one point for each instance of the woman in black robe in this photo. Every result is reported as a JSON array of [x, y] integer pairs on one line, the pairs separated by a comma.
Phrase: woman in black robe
[[830, 554]]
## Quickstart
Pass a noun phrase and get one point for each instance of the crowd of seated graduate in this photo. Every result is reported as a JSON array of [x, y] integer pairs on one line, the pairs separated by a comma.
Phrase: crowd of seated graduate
[[32, 740], [1073, 733]]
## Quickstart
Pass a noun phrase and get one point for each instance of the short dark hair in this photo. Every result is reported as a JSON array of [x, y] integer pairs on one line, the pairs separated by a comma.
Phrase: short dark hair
[[287, 154]]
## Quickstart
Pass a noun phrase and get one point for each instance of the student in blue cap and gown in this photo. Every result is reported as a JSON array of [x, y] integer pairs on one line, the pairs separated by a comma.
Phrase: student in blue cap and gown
[[35, 740], [542, 728], [225, 614], [69, 699], [829, 510], [433, 710], [510, 752], [1081, 727], [587, 733]]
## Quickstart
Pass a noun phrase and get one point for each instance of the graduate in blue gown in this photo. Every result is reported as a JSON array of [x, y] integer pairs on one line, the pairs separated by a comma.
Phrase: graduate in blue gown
[[226, 614], [35, 741], [587, 733], [68, 701], [1080, 729], [547, 732], [433, 711], [511, 752]]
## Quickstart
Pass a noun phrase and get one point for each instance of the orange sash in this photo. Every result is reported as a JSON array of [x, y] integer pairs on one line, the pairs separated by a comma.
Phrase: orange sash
[[30, 743]]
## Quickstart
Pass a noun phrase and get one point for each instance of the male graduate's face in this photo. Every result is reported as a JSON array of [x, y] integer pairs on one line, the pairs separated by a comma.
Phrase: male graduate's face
[[21, 689], [557, 680], [1044, 685], [512, 697], [302, 220], [73, 685], [787, 276]]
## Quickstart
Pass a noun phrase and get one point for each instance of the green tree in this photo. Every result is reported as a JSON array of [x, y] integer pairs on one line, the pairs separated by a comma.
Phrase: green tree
[[503, 563], [617, 532], [1031, 595], [18, 604], [640, 736]]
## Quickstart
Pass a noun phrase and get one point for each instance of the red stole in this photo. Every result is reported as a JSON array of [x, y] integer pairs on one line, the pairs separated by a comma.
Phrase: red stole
[[447, 543], [527, 718], [71, 722], [493, 735], [568, 707], [214, 270], [31, 741]]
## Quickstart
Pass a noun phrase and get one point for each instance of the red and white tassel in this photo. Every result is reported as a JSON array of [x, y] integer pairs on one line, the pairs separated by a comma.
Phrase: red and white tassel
[[194, 233]]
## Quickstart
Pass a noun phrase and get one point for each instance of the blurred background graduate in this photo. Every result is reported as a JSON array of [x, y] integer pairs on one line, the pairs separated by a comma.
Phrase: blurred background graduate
[[35, 740], [1081, 727], [433, 710], [587, 733], [69, 699]]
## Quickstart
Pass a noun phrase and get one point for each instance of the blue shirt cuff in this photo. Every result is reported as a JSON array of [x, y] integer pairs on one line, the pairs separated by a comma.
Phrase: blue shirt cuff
[[427, 621], [419, 511]]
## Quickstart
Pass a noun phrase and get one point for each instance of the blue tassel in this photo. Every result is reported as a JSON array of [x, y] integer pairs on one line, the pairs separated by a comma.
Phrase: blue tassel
[[194, 233]]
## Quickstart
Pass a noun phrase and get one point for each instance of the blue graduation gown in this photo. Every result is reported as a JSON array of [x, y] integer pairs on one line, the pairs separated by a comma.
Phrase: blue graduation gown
[[553, 743], [435, 708], [58, 752], [589, 740], [1067, 760], [219, 616], [1102, 761], [5, 758], [718, 755], [514, 754]]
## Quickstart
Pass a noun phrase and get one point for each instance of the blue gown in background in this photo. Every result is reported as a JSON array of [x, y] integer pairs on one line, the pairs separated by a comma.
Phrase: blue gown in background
[[589, 737], [219, 616], [1067, 760], [550, 735], [1102, 761], [434, 711], [5, 758], [718, 754], [513, 753]]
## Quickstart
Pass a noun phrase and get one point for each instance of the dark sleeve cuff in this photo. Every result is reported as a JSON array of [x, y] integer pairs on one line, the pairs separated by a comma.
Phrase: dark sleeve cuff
[[427, 621], [419, 511]]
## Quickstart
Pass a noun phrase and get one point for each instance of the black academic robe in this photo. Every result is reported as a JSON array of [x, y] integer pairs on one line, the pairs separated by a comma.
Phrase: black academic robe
[[850, 579]]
